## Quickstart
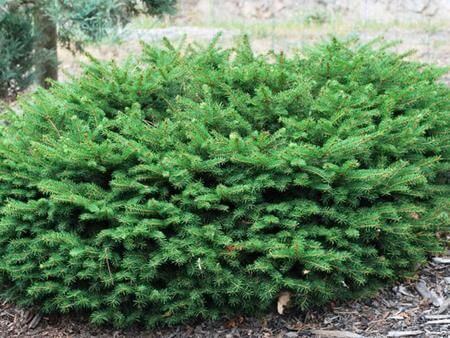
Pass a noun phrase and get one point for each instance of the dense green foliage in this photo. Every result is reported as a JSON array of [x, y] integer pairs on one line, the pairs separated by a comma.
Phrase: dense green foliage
[[203, 182], [16, 52]]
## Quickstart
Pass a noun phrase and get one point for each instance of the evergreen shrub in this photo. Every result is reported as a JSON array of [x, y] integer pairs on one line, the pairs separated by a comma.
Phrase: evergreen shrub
[[200, 182]]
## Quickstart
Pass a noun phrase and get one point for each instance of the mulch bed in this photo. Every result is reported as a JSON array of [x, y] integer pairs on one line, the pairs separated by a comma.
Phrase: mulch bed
[[416, 308]]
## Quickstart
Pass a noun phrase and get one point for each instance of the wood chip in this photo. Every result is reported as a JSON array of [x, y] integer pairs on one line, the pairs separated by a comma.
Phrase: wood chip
[[234, 322], [404, 291], [422, 289], [336, 334], [444, 306], [441, 260], [35, 321], [396, 318], [437, 317], [438, 322], [404, 333]]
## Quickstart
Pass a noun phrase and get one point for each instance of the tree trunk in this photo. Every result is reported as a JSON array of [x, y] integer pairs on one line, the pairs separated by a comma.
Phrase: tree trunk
[[46, 47]]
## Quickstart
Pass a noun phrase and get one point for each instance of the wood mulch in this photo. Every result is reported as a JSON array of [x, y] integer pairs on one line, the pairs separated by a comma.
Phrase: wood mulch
[[415, 308]]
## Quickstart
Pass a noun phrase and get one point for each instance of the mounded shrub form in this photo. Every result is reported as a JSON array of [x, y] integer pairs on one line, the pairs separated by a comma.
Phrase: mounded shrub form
[[200, 182]]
